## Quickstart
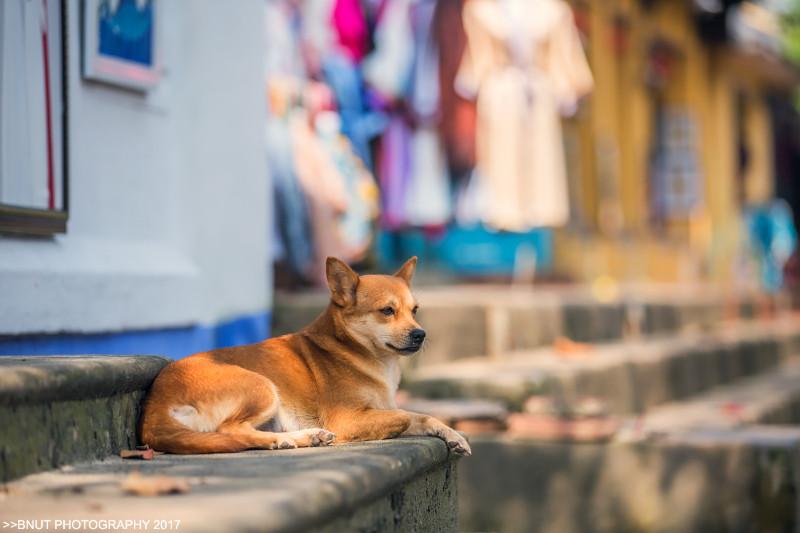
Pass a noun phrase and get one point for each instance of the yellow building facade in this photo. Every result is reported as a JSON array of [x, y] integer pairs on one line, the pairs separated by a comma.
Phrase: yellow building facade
[[675, 140]]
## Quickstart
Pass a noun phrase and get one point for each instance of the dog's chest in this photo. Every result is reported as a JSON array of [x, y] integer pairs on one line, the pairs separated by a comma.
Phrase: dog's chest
[[386, 399]]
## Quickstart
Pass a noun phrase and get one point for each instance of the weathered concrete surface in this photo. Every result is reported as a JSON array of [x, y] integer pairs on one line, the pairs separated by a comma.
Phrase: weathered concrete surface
[[56, 410], [470, 321], [631, 376], [400, 485], [739, 480], [769, 398]]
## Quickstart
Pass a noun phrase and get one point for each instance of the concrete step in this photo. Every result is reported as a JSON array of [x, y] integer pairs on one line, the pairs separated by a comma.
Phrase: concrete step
[[738, 479], [469, 321], [631, 376], [770, 398], [67, 412], [57, 410], [393, 486]]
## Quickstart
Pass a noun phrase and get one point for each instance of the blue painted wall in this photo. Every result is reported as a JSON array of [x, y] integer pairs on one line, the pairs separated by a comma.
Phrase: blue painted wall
[[170, 342]]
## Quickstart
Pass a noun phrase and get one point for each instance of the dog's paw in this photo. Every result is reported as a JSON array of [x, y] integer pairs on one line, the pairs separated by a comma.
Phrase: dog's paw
[[286, 444], [322, 437], [457, 444]]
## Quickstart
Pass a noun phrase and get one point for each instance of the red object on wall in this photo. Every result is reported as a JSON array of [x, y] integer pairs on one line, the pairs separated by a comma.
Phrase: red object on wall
[[51, 200]]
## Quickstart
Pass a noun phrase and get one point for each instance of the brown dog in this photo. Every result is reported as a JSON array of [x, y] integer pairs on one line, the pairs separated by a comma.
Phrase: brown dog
[[336, 379]]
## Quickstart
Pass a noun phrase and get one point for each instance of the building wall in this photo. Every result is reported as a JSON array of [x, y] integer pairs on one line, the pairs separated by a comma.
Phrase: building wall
[[620, 238], [169, 209]]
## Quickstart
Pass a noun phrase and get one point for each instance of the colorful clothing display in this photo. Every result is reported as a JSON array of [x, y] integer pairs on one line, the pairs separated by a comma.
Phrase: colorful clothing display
[[525, 65], [453, 105]]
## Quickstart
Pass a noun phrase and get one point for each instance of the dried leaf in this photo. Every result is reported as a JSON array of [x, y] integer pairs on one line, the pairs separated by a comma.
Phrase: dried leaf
[[140, 485], [566, 347], [145, 455]]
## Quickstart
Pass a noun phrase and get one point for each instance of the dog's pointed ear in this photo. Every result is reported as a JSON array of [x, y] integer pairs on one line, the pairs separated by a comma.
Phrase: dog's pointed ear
[[406, 271], [342, 281]]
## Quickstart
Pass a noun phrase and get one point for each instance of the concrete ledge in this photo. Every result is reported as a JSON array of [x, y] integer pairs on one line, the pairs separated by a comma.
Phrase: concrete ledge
[[630, 376], [472, 321], [57, 410], [713, 481], [33, 380], [769, 398], [400, 485]]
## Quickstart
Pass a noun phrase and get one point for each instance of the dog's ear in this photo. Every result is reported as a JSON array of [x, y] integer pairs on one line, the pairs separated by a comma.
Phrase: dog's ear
[[342, 282], [406, 271]]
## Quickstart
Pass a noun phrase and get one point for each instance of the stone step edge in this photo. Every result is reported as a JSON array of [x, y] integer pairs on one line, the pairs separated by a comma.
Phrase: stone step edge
[[42, 379], [703, 481], [762, 399], [352, 477], [512, 380]]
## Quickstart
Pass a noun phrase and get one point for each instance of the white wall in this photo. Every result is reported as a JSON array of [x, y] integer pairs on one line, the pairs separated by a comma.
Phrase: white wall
[[169, 207]]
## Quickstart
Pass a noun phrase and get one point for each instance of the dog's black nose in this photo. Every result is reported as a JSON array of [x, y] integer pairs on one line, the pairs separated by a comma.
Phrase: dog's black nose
[[417, 336]]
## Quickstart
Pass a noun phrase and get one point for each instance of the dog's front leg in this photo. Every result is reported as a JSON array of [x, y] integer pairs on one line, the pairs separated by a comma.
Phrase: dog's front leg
[[367, 424], [427, 425]]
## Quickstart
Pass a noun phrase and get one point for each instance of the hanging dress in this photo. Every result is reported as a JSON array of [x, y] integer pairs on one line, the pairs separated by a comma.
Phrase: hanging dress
[[525, 65]]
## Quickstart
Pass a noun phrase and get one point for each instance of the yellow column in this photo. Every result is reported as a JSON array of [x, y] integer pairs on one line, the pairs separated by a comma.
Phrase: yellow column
[[760, 178], [721, 167]]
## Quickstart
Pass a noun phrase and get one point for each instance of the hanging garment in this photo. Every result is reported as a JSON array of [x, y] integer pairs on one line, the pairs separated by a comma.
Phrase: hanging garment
[[772, 239], [525, 64], [351, 28], [388, 68], [423, 96], [355, 224], [282, 36], [359, 123], [291, 211], [316, 28], [428, 195], [394, 169], [458, 116], [470, 201], [324, 190]]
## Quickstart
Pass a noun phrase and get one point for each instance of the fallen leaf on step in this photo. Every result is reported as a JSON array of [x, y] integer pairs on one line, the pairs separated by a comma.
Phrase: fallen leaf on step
[[140, 485], [568, 348], [141, 452], [146, 455]]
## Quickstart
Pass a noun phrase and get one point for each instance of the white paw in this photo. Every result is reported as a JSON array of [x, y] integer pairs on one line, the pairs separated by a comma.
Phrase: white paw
[[285, 444], [457, 444], [322, 437]]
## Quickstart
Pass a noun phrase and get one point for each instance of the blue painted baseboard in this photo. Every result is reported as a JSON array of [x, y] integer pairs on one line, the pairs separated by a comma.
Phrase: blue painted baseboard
[[170, 342]]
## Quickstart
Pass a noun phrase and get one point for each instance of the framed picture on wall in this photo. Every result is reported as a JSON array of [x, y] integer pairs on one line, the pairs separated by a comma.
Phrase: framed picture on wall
[[120, 42], [33, 117]]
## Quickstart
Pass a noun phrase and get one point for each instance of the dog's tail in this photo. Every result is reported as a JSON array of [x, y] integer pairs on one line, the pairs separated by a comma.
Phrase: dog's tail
[[187, 441]]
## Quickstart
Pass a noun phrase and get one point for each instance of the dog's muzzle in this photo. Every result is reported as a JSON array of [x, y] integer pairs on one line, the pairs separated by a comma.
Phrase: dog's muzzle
[[415, 340]]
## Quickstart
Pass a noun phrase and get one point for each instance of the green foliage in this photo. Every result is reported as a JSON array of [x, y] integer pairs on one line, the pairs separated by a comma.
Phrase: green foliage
[[790, 22]]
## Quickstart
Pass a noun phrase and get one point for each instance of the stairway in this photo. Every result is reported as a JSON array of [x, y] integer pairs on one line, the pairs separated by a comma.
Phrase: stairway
[[65, 420], [705, 393]]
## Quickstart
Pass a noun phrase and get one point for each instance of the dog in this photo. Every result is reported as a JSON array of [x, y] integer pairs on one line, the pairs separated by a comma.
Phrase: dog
[[334, 380]]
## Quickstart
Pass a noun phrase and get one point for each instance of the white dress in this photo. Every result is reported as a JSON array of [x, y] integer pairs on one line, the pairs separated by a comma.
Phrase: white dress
[[525, 65]]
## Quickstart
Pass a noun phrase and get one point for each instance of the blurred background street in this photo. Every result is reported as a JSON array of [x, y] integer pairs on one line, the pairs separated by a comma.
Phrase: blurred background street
[[603, 196]]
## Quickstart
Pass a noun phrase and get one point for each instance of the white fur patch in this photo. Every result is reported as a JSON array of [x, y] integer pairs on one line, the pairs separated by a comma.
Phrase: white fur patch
[[392, 377], [287, 421], [207, 419]]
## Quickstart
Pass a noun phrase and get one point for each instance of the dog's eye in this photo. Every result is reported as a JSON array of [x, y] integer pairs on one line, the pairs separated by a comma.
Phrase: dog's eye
[[414, 311], [388, 311]]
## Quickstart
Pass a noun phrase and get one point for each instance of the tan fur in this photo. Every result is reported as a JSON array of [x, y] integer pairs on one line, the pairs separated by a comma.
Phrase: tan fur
[[335, 379]]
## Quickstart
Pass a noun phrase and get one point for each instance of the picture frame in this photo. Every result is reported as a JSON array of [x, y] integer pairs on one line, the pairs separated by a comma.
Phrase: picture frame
[[37, 203], [120, 43]]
